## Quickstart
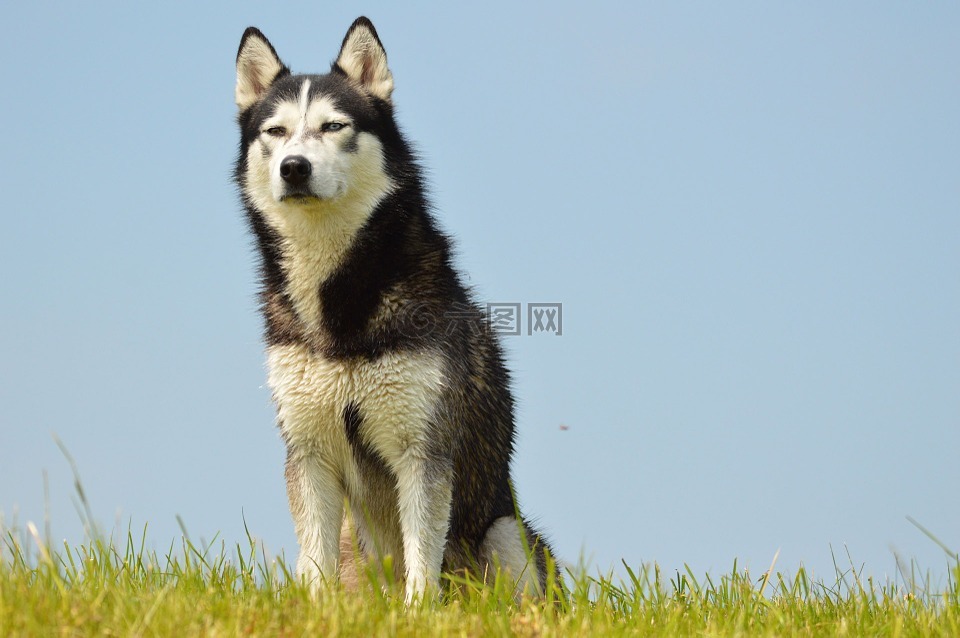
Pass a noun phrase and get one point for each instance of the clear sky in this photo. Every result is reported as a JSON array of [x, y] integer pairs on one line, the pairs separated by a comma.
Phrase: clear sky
[[750, 212]]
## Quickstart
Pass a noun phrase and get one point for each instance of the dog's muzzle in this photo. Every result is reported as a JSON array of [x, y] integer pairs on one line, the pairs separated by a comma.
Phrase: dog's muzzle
[[295, 170]]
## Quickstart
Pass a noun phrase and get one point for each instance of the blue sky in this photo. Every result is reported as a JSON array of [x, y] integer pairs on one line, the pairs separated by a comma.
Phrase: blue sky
[[749, 212]]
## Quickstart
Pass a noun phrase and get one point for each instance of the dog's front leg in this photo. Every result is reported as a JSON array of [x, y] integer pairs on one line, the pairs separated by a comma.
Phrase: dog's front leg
[[315, 491], [424, 492]]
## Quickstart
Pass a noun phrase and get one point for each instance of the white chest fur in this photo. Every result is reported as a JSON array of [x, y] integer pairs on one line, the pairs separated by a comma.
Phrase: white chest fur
[[397, 395]]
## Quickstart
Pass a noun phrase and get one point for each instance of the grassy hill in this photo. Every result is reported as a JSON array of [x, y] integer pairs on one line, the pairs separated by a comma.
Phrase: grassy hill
[[114, 587]]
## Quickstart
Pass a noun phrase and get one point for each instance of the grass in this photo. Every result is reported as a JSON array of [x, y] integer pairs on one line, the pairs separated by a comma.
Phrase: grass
[[116, 587]]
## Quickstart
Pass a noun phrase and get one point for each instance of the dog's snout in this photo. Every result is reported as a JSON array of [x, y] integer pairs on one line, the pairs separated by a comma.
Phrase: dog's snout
[[295, 170]]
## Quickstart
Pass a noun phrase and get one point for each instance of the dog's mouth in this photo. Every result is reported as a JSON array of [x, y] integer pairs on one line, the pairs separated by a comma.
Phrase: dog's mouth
[[300, 197]]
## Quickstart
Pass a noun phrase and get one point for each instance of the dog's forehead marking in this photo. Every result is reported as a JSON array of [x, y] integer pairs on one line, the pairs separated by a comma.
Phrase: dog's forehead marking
[[306, 112], [304, 104], [304, 98]]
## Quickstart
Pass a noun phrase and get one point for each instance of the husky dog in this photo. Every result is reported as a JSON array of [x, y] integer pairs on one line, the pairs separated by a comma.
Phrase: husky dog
[[391, 391]]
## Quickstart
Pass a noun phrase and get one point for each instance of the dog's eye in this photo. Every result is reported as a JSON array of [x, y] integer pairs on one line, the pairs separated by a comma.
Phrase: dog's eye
[[276, 131], [333, 126]]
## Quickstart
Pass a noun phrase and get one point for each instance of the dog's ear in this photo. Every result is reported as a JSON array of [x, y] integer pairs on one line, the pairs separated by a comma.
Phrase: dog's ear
[[363, 60], [257, 67]]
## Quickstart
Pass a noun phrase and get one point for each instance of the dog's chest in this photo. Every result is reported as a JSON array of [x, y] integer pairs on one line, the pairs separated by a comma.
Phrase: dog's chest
[[396, 395]]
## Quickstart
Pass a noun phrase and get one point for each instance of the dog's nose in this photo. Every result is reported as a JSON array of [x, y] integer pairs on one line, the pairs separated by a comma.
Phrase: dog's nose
[[295, 170]]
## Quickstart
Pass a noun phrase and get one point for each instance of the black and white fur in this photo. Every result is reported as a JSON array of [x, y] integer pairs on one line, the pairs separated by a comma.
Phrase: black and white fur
[[390, 388]]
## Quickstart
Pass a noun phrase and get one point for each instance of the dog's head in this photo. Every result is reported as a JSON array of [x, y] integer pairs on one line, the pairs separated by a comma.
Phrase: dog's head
[[312, 142]]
